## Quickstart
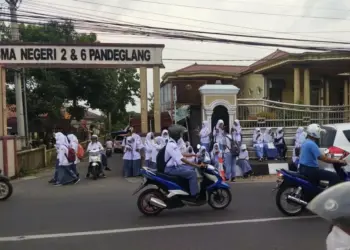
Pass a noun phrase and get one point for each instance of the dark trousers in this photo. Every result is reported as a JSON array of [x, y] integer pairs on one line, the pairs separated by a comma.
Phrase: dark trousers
[[315, 175], [282, 150]]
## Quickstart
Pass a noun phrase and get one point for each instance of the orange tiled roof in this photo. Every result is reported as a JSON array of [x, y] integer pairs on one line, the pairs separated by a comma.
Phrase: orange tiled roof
[[213, 68]]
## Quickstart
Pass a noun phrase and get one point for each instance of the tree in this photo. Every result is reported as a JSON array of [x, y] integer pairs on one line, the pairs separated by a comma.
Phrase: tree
[[109, 90], [151, 102]]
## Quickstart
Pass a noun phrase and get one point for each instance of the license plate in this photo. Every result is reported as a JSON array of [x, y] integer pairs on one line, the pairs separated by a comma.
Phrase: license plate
[[143, 184]]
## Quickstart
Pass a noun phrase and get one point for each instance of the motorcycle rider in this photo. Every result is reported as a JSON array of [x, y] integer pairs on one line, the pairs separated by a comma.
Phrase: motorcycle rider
[[109, 145], [309, 156], [95, 145], [333, 205], [176, 162]]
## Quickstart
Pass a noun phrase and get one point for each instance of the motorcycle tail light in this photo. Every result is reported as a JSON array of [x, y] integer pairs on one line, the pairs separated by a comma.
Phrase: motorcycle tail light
[[336, 152], [279, 175]]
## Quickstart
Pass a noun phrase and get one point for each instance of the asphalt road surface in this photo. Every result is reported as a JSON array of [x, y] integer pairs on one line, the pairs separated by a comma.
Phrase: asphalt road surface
[[103, 215]]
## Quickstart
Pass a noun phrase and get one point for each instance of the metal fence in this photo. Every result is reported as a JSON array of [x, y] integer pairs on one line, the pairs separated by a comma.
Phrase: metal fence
[[266, 113]]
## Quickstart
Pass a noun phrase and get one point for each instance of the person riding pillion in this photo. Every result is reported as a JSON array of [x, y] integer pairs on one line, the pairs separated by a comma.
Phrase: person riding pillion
[[177, 164], [309, 156]]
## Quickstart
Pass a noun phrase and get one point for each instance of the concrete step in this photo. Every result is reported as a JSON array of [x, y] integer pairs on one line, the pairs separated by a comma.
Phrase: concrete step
[[249, 141], [252, 154]]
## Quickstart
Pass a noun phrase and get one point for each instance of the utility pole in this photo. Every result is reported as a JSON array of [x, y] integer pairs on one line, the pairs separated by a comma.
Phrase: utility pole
[[13, 6]]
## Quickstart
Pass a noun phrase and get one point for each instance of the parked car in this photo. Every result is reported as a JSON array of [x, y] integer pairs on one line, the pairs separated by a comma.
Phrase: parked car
[[335, 142], [118, 140]]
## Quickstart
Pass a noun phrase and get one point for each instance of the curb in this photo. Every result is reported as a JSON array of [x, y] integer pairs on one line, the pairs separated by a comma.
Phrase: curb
[[266, 168]]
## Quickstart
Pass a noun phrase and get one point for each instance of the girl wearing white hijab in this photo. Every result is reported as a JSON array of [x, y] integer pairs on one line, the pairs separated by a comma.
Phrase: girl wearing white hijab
[[298, 137], [237, 132], [270, 151], [219, 134], [65, 174], [165, 136], [182, 145], [55, 177], [204, 135], [280, 143], [148, 149], [157, 145], [215, 154], [258, 143], [74, 143], [243, 161]]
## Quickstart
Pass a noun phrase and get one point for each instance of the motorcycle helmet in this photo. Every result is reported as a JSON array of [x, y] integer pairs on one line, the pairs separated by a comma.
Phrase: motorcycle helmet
[[176, 131], [314, 130], [333, 205]]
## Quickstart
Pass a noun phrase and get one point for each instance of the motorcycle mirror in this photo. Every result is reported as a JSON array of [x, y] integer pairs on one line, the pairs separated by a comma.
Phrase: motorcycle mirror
[[198, 146]]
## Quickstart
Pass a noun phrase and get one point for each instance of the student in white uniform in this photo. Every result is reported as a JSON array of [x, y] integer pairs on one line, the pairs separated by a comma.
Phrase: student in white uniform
[[157, 145], [148, 149]]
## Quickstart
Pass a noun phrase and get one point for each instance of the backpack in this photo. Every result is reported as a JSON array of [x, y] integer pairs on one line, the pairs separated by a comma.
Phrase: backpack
[[80, 152], [71, 156], [234, 147], [161, 163]]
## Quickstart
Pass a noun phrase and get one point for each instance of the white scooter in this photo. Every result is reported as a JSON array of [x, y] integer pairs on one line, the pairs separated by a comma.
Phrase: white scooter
[[95, 164]]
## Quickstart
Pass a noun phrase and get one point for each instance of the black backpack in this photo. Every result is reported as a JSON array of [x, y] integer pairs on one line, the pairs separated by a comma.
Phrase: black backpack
[[234, 147], [161, 163]]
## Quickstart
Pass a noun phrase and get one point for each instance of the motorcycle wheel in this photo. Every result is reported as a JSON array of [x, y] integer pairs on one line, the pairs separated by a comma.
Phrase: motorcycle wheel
[[6, 190], [144, 205], [286, 207], [95, 172], [219, 198]]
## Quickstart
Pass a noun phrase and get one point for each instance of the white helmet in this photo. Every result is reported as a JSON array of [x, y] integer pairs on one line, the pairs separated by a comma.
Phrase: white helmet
[[314, 130]]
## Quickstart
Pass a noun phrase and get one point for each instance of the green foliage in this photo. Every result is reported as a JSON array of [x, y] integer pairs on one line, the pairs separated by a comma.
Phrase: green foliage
[[151, 102], [109, 90]]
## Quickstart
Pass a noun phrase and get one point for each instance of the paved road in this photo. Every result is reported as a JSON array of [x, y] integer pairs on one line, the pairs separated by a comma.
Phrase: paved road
[[102, 214]]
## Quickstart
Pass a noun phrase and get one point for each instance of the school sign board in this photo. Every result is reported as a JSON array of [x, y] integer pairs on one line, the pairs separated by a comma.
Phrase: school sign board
[[97, 55]]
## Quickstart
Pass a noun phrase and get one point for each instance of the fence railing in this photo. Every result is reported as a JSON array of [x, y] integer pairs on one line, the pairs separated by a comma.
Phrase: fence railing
[[39, 158], [266, 113]]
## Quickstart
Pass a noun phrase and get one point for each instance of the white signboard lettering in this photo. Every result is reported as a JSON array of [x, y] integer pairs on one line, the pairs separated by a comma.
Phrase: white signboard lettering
[[102, 55]]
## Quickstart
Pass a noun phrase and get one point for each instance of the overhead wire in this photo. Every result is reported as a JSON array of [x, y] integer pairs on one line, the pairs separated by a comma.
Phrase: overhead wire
[[228, 10], [156, 20], [39, 15]]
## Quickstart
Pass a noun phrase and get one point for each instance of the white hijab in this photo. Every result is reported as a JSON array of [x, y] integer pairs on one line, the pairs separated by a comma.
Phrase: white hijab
[[165, 136], [243, 154], [267, 135], [218, 124], [238, 128], [215, 150], [61, 140], [279, 133], [257, 132], [205, 129], [298, 136], [148, 141]]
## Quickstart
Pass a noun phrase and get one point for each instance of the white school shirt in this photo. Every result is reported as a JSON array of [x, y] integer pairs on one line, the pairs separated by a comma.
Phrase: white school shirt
[[109, 144], [132, 155], [148, 151], [155, 150], [172, 150], [62, 156]]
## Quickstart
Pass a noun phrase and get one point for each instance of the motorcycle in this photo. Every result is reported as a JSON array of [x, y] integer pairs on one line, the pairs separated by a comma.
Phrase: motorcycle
[[170, 192], [6, 188], [295, 191], [95, 164], [108, 152]]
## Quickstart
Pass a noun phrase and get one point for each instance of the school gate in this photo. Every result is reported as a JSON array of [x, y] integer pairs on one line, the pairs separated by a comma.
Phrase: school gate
[[101, 55]]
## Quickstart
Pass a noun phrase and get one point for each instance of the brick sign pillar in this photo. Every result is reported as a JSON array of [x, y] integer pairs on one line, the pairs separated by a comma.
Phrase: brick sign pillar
[[8, 155]]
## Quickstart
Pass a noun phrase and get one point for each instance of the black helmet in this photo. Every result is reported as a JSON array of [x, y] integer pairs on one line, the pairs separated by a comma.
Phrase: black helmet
[[333, 205], [176, 131]]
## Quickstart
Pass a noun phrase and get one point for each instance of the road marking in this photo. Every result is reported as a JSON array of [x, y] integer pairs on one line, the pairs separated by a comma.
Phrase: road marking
[[140, 229]]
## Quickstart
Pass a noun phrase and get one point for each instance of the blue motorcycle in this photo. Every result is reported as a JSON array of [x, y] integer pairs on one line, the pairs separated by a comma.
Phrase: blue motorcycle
[[170, 192], [295, 191]]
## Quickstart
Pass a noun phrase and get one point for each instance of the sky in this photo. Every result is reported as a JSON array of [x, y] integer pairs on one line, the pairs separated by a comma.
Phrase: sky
[[287, 18]]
